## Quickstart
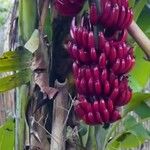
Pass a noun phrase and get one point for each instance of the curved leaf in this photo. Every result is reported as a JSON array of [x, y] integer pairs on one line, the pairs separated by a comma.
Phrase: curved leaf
[[132, 137], [15, 60], [138, 8], [143, 110], [15, 80], [141, 72], [136, 100], [91, 141], [129, 122], [33, 43], [132, 3], [100, 135], [7, 135]]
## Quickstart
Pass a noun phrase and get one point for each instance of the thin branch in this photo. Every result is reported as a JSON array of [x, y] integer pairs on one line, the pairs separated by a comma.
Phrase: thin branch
[[37, 122], [68, 113], [140, 38]]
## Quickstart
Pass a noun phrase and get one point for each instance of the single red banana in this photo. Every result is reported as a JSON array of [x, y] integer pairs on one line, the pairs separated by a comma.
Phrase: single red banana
[[104, 75], [93, 55], [106, 11], [98, 118], [113, 54], [91, 85], [102, 105], [86, 106], [96, 72], [122, 16], [120, 52], [116, 65], [128, 62], [79, 111], [115, 116], [75, 69], [109, 21], [102, 61], [116, 15], [101, 41], [129, 18], [105, 116], [125, 3], [98, 87], [82, 72], [112, 77], [82, 86], [110, 105], [106, 48], [128, 96], [122, 66], [114, 94], [96, 106], [91, 40], [121, 99], [115, 83], [75, 52], [79, 35], [106, 87], [88, 73], [91, 118], [125, 50], [85, 38], [126, 19], [84, 56], [93, 14]]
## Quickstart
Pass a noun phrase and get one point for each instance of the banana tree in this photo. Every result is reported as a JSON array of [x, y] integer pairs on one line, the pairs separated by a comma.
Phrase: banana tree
[[90, 106]]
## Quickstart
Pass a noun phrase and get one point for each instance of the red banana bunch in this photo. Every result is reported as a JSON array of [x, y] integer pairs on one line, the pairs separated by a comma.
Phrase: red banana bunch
[[110, 13], [100, 67], [97, 112], [113, 13], [69, 7], [102, 58]]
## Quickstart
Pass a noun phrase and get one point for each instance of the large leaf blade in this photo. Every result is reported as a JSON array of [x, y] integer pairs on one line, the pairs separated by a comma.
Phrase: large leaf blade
[[129, 122], [136, 100], [143, 111], [7, 135], [15, 60], [100, 135], [138, 8], [15, 80], [136, 133], [33, 43], [134, 84], [141, 71], [124, 142], [91, 141], [132, 3]]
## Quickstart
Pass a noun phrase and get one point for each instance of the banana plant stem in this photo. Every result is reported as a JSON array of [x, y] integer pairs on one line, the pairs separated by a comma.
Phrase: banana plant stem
[[139, 36]]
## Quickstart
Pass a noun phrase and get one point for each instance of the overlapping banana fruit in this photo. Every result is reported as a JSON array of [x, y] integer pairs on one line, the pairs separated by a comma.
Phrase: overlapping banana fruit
[[115, 14], [102, 60]]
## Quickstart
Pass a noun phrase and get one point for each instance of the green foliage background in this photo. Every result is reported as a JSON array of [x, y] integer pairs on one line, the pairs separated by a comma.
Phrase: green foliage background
[[133, 132], [5, 6]]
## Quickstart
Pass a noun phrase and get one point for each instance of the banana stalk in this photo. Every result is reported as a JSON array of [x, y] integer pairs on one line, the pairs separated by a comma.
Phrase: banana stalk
[[27, 24]]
